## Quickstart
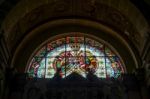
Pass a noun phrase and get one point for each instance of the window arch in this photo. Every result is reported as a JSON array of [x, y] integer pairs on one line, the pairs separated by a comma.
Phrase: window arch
[[75, 54]]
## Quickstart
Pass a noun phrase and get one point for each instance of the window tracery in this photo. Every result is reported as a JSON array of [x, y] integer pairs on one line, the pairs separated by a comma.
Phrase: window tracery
[[75, 54]]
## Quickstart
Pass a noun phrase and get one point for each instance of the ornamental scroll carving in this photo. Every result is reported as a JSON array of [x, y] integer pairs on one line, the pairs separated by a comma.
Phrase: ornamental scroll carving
[[89, 9]]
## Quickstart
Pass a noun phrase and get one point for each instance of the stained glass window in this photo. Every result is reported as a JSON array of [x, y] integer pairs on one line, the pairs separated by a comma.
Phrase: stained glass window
[[75, 54]]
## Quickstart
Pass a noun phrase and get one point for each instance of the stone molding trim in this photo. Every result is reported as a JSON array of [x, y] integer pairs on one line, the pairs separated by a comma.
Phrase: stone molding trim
[[119, 14]]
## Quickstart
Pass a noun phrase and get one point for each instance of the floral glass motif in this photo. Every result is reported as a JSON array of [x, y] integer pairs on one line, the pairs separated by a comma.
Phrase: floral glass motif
[[75, 54]]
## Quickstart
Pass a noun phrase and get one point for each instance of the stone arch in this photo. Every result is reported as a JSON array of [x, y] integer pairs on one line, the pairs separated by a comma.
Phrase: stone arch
[[56, 27], [124, 16], [28, 15]]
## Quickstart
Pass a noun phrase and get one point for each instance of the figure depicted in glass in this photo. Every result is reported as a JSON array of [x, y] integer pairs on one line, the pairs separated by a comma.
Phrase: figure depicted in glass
[[75, 54]]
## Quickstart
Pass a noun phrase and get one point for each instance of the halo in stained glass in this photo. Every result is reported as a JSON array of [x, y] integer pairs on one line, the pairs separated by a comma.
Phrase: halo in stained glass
[[75, 54]]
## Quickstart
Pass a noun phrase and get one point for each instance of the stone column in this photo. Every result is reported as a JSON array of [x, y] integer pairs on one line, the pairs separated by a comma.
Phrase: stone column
[[145, 81], [4, 63]]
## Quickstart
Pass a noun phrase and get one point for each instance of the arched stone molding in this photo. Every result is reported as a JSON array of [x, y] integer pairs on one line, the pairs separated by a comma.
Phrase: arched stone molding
[[118, 14], [38, 35]]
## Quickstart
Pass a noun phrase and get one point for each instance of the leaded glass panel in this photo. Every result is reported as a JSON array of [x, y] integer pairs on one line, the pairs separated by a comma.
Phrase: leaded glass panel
[[75, 54]]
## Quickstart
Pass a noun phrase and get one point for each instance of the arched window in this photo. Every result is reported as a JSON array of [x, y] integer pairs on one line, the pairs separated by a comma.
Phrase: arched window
[[75, 54]]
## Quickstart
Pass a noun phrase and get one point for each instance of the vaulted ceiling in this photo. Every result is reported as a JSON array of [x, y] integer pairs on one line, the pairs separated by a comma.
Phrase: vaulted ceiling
[[7, 5], [129, 18]]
